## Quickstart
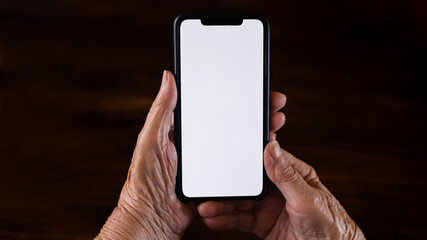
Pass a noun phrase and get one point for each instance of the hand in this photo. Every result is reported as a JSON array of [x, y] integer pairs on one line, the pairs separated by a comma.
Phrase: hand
[[148, 206], [297, 207]]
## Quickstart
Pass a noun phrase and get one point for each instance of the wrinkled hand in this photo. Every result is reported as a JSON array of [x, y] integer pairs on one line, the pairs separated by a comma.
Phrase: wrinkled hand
[[148, 207], [297, 207]]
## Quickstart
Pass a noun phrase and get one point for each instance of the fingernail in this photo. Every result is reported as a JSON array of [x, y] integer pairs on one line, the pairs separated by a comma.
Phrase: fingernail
[[275, 149], [165, 77]]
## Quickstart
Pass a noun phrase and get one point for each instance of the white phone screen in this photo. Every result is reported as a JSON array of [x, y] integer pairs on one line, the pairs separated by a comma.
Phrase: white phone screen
[[222, 69]]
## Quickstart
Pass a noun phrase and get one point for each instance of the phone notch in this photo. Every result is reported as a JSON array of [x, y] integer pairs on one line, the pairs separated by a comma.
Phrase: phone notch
[[222, 21]]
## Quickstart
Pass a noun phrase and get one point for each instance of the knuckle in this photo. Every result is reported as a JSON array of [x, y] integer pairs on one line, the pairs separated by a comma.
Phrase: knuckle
[[312, 178], [285, 173]]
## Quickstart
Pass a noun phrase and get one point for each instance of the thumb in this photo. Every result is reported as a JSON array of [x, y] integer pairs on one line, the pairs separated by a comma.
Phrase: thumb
[[159, 119], [280, 171]]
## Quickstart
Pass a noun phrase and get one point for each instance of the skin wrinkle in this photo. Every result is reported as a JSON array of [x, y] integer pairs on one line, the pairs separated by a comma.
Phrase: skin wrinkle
[[112, 229], [134, 196], [331, 207], [165, 166], [160, 210], [110, 232], [343, 227], [148, 227], [172, 129], [356, 231], [284, 172], [123, 215], [149, 204], [311, 178], [358, 234], [148, 207], [130, 194], [157, 211], [156, 195], [347, 228], [148, 196]]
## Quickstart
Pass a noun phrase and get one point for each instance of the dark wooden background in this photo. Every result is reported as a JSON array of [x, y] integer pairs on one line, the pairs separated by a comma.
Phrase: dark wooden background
[[78, 77]]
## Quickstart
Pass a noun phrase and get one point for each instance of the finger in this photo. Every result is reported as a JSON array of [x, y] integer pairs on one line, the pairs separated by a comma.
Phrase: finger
[[242, 221], [158, 122], [277, 101], [277, 120], [272, 136], [306, 171], [280, 171], [213, 209]]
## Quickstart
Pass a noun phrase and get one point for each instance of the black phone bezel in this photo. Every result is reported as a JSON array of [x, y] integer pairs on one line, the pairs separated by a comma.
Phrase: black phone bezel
[[220, 19]]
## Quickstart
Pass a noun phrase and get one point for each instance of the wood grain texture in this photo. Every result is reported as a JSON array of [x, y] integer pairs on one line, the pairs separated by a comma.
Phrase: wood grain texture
[[78, 77]]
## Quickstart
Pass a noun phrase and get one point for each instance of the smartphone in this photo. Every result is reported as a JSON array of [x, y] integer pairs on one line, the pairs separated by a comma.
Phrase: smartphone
[[222, 113]]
